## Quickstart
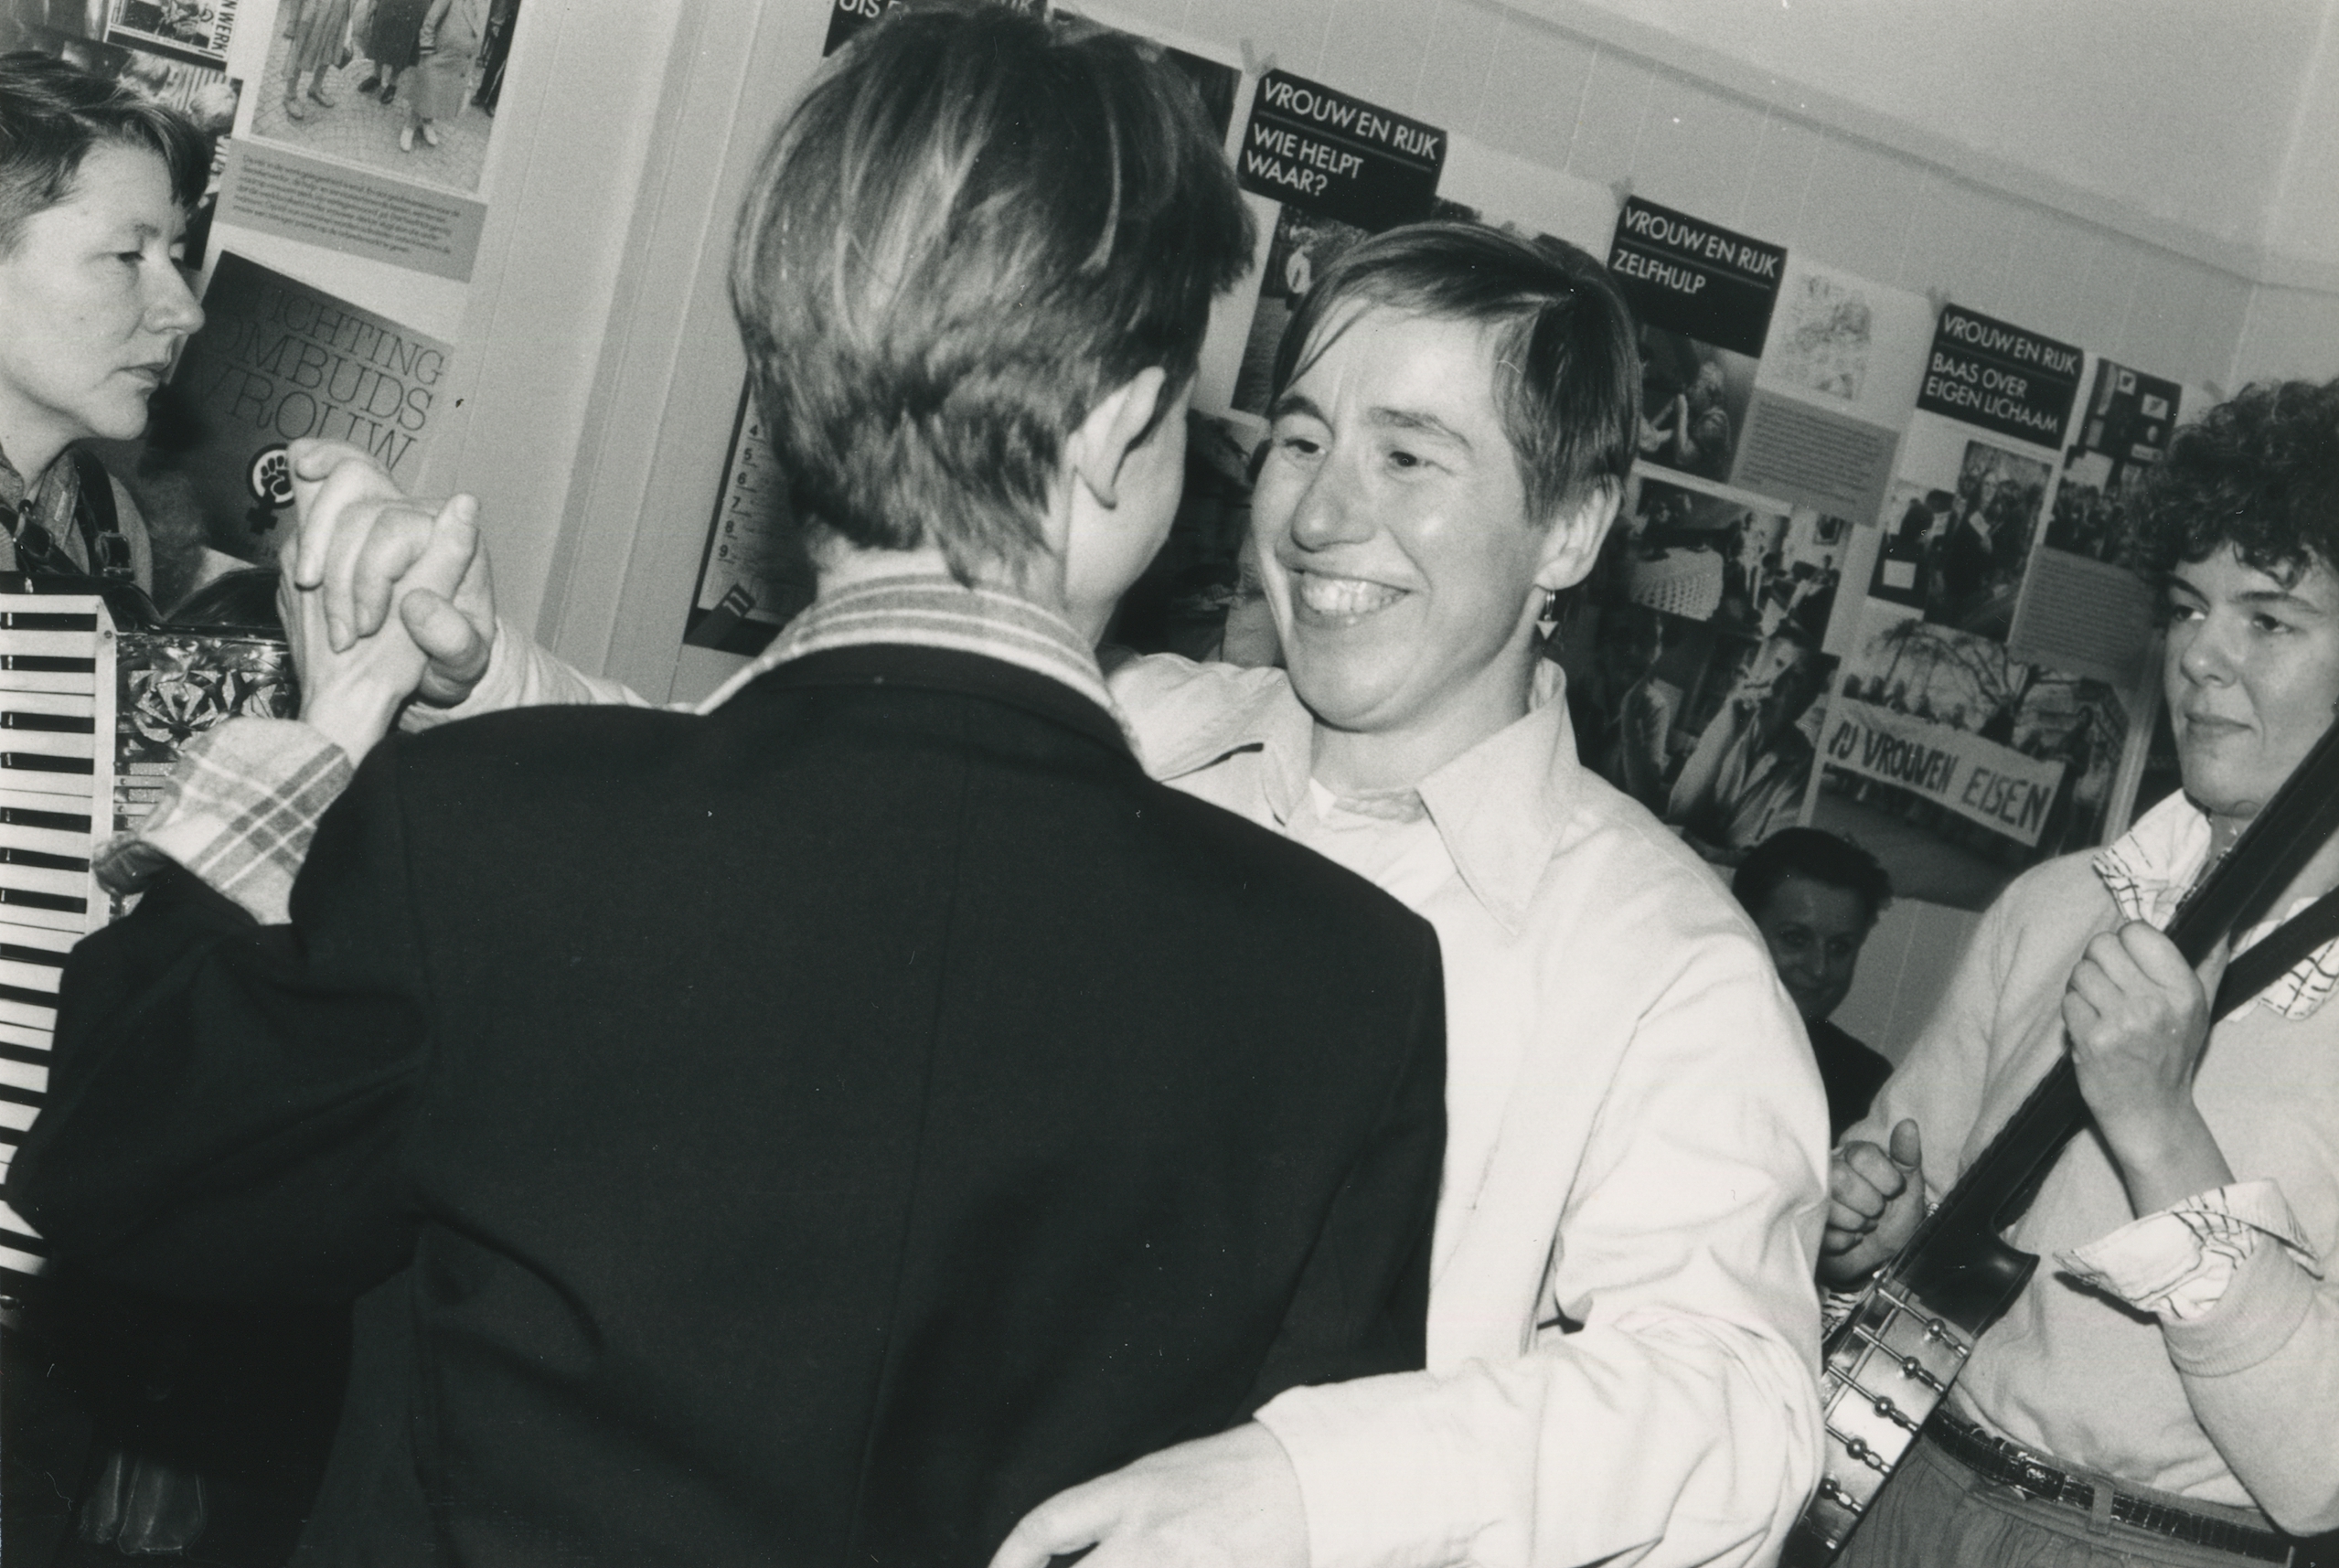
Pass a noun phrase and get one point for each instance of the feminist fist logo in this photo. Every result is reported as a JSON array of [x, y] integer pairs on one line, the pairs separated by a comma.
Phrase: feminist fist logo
[[271, 477]]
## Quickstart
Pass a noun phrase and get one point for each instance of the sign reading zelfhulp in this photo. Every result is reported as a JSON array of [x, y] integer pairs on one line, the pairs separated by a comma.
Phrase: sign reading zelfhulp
[[1337, 157], [1687, 276]]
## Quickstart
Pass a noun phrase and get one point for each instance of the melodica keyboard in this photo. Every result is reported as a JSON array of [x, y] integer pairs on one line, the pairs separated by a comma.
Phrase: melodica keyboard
[[92, 717], [57, 696]]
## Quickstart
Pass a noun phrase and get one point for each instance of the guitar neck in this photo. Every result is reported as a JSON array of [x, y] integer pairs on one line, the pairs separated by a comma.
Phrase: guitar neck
[[1950, 1263]]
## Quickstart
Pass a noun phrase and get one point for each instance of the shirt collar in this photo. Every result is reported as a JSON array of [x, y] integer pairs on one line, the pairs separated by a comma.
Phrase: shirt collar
[[935, 610], [1498, 807], [2151, 868]]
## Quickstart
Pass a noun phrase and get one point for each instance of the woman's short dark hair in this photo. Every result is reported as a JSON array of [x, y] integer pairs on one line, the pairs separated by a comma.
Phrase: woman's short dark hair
[[52, 114], [1819, 855], [2261, 473], [1569, 375], [973, 226]]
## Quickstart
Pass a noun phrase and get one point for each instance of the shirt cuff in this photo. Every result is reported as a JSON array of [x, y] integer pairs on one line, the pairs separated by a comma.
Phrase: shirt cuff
[[238, 811], [1376, 1498], [2179, 1262]]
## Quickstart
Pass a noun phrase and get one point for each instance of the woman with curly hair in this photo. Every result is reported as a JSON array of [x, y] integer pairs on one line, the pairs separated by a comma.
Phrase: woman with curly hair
[[2160, 1393]]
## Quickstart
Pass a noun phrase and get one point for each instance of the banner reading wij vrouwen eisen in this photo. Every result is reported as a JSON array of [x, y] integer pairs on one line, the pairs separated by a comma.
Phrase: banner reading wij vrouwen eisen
[[2001, 378], [1337, 157], [1994, 785], [1683, 275]]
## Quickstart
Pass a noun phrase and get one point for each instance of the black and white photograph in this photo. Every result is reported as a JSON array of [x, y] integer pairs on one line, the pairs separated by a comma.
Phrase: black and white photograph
[[1693, 400], [199, 27], [1708, 724], [708, 854], [1959, 765], [1960, 521], [407, 87]]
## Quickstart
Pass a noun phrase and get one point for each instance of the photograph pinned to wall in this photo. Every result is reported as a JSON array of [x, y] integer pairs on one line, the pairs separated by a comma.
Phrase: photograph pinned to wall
[[407, 87], [197, 31], [203, 92], [1709, 724], [1341, 168], [1740, 562], [1960, 520], [278, 359], [1704, 296], [756, 575], [1837, 374], [1958, 764], [2086, 604]]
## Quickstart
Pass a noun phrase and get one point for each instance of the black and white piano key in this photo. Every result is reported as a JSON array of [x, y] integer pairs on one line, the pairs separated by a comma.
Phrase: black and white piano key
[[21, 1249], [24, 1037], [26, 970], [52, 842], [31, 1015], [71, 780]]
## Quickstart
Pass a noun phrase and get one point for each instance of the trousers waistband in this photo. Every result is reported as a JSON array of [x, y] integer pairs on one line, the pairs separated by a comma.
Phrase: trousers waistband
[[2011, 1464]]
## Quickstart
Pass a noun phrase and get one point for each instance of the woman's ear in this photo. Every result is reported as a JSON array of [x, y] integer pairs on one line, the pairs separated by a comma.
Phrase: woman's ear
[[1572, 540]]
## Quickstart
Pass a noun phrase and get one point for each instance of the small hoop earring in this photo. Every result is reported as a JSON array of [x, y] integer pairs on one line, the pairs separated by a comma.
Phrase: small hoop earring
[[1550, 611]]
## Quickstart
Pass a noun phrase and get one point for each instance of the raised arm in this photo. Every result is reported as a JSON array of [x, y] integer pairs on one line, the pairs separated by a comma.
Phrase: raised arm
[[245, 799], [2256, 1339]]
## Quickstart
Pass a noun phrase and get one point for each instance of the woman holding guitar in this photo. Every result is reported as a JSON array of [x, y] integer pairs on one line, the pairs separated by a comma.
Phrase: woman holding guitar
[[2165, 1389]]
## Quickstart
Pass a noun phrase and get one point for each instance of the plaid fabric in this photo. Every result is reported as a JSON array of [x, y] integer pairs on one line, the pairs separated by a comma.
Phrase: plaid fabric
[[242, 806], [50, 501], [2177, 1264], [2150, 869], [935, 612], [239, 812]]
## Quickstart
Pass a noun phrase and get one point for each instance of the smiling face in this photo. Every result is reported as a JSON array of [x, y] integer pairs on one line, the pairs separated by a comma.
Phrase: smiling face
[[2251, 675], [1814, 933], [92, 306], [1403, 569]]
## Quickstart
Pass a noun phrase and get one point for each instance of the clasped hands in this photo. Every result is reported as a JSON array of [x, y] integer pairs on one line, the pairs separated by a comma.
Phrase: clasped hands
[[362, 547], [2135, 1018]]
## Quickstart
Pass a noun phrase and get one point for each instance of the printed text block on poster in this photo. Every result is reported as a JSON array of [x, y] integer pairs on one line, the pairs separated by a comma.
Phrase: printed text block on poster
[[352, 211]]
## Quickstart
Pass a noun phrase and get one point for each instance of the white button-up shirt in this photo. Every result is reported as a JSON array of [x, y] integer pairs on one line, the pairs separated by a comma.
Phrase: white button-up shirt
[[1623, 1330]]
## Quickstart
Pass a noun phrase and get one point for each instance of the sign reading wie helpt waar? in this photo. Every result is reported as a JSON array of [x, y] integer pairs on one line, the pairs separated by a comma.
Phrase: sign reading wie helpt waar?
[[1337, 157]]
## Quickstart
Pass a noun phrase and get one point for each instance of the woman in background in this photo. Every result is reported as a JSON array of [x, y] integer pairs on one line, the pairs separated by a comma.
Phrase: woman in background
[[452, 31], [317, 38], [392, 37]]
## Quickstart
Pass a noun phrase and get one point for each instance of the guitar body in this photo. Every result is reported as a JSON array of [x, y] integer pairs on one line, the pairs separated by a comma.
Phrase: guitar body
[[1888, 1365]]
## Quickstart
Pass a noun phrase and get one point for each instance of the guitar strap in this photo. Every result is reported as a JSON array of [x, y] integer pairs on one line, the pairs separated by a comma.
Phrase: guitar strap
[[2276, 954]]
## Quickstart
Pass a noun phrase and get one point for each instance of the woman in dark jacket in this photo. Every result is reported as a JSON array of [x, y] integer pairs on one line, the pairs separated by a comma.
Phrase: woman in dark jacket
[[393, 43]]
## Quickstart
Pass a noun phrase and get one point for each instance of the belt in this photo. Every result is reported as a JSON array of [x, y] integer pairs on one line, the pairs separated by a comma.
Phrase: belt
[[2010, 1465]]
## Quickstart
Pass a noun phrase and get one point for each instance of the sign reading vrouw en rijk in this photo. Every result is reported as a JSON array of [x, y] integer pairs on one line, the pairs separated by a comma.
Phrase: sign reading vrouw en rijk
[[2001, 378], [1338, 156], [1683, 275]]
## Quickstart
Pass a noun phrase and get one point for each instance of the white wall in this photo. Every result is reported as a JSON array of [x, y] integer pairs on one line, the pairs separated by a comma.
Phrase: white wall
[[2173, 107], [2109, 171]]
